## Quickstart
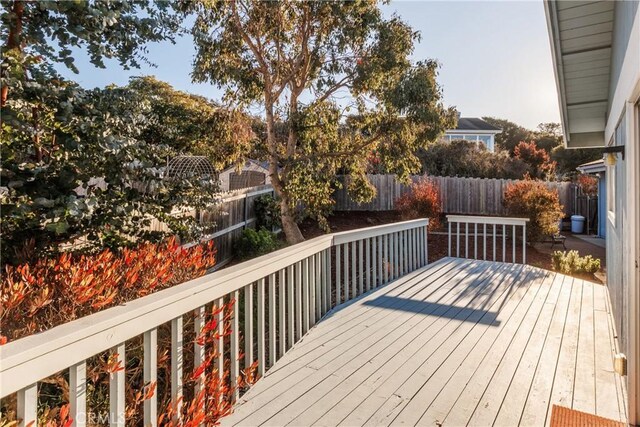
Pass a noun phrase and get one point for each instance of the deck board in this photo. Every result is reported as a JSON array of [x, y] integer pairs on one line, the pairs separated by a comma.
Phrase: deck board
[[457, 342]]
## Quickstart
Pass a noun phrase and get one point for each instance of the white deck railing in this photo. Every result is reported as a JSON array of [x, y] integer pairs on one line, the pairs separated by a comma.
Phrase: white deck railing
[[300, 276], [493, 232]]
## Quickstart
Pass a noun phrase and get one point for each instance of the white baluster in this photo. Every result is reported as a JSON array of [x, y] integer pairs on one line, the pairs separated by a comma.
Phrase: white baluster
[[367, 244], [78, 394], [282, 318], [199, 350], [354, 291], [513, 256], [494, 242], [484, 241], [248, 325], [524, 243], [28, 406], [305, 295], [235, 345], [449, 237], [261, 328], [290, 308], [176, 366], [116, 389], [338, 274], [220, 340], [272, 319], [360, 267], [150, 374], [298, 300], [504, 243], [345, 265]]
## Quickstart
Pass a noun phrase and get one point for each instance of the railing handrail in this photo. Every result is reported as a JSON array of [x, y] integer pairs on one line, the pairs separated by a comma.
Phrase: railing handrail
[[38, 356], [498, 220]]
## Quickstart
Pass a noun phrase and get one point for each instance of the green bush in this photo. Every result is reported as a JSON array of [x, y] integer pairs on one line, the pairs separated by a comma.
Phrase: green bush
[[571, 263], [267, 210], [253, 243], [469, 159], [532, 199]]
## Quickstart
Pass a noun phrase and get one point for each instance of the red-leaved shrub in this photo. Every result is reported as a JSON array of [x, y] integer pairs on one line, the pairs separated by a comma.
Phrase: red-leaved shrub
[[423, 201], [36, 297], [588, 184], [39, 296], [532, 199]]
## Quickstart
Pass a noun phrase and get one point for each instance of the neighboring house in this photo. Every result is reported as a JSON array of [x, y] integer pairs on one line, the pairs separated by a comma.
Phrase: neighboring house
[[596, 55], [251, 174], [598, 168], [474, 129]]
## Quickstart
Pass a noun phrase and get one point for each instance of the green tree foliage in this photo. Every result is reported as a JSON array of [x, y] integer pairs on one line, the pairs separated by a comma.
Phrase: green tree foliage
[[548, 136], [569, 159], [191, 123], [91, 174], [48, 31], [75, 162], [512, 134], [296, 60], [468, 159]]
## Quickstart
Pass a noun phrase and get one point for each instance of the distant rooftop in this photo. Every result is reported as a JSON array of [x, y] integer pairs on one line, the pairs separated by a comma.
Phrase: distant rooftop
[[474, 123]]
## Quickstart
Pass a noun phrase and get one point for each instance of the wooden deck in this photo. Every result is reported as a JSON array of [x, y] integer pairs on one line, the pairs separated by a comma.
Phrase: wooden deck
[[459, 342]]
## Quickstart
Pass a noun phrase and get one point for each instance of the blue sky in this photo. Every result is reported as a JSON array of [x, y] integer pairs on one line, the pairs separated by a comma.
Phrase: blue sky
[[495, 58]]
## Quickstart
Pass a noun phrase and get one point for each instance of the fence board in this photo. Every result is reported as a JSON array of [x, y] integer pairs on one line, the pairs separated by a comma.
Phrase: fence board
[[464, 196]]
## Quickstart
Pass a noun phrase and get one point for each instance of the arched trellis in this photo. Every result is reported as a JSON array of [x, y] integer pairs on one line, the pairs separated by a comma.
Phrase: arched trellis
[[189, 167]]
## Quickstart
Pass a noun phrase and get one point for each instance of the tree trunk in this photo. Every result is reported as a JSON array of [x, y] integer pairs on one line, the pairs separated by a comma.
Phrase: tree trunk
[[289, 226]]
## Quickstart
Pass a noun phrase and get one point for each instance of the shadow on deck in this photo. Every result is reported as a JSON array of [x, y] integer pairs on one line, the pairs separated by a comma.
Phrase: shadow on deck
[[457, 342]]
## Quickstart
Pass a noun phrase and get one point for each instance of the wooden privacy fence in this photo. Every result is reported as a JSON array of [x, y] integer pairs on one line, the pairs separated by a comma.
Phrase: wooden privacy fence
[[464, 196], [224, 222]]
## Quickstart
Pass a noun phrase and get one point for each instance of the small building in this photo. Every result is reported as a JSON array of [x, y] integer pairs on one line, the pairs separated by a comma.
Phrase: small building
[[598, 168], [474, 129], [252, 174]]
